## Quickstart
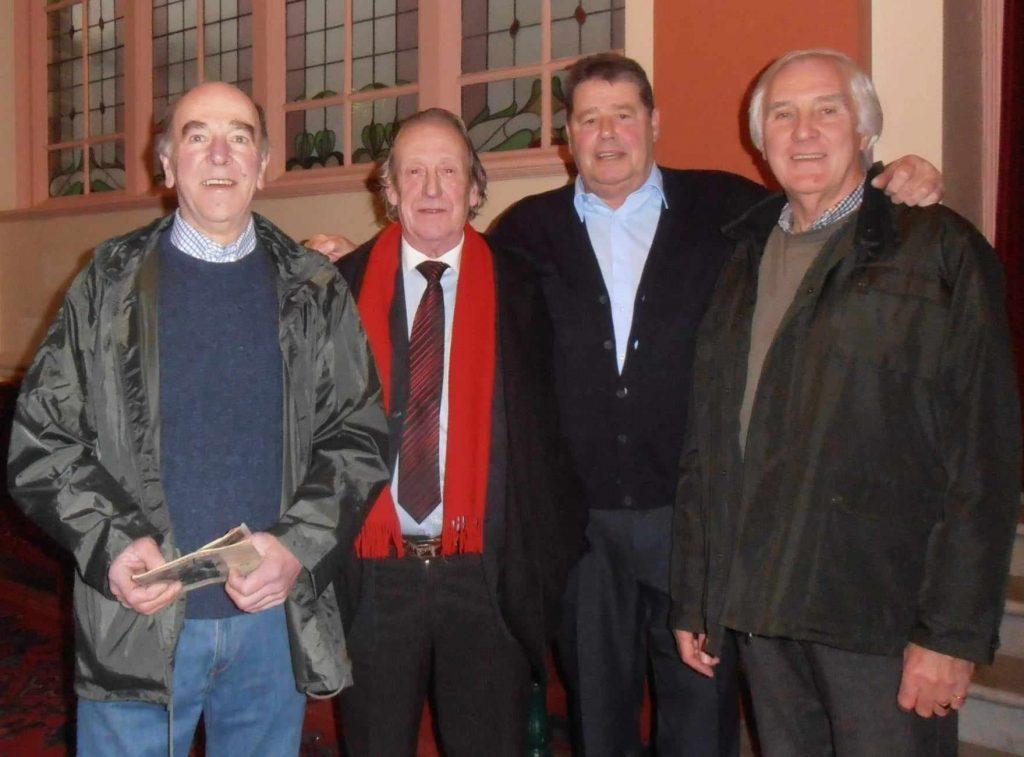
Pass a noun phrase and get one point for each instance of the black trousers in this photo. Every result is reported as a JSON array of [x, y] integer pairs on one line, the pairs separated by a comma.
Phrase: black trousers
[[811, 699], [617, 607], [431, 625]]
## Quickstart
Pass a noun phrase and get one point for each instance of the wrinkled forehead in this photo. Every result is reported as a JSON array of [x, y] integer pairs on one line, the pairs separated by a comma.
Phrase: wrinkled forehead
[[430, 140], [810, 77], [220, 105]]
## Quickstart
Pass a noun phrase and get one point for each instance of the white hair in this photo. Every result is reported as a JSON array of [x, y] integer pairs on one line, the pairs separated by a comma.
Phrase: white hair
[[862, 91]]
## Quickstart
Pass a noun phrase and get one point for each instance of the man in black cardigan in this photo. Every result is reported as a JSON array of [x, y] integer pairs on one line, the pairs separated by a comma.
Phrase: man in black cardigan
[[471, 615], [630, 255]]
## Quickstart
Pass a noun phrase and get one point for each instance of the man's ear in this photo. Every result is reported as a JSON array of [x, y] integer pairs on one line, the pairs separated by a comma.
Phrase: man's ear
[[656, 123], [168, 171], [261, 177]]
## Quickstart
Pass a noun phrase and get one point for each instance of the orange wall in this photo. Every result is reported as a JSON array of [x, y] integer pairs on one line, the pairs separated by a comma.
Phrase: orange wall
[[707, 54]]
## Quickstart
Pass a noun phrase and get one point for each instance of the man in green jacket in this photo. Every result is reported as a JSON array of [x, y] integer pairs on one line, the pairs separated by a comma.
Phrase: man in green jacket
[[850, 487], [203, 371]]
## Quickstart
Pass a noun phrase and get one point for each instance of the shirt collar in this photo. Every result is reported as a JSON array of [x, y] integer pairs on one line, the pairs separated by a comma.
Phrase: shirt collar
[[836, 213], [195, 244], [654, 187], [411, 257]]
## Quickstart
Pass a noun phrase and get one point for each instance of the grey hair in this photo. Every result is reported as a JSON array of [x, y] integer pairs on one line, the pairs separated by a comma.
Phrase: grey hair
[[477, 172], [862, 90], [164, 141]]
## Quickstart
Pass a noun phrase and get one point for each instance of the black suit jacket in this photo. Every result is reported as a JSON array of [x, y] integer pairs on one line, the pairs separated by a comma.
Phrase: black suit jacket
[[626, 431], [533, 530]]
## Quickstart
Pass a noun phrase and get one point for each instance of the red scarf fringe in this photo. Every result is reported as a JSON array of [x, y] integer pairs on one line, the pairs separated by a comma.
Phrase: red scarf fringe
[[470, 393]]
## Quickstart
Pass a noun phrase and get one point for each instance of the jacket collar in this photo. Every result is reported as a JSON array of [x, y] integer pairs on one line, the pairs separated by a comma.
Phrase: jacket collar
[[122, 256], [876, 227]]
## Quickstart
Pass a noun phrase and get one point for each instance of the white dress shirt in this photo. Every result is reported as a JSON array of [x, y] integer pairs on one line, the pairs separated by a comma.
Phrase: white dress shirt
[[415, 286]]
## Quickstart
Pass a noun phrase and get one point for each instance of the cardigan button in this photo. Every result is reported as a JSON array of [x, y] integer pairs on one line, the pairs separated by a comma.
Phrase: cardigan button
[[621, 392], [602, 300], [609, 344]]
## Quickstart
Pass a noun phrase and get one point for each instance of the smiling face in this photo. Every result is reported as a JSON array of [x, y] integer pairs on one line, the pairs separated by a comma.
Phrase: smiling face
[[810, 136], [430, 185], [214, 158], [612, 137]]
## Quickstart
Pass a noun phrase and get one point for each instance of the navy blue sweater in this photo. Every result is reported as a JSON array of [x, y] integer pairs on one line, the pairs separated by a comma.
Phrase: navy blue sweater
[[220, 402]]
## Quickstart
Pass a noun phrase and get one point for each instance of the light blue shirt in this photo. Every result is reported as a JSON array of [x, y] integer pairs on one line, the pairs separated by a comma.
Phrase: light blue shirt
[[196, 244], [415, 286], [621, 239]]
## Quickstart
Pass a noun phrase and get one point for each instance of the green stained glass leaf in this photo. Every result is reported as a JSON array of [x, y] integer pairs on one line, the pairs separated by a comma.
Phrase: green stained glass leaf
[[324, 142], [533, 105], [557, 94], [303, 145], [518, 141], [324, 93], [479, 118]]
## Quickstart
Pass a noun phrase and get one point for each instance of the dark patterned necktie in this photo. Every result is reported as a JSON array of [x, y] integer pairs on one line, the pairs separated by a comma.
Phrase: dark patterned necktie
[[419, 481]]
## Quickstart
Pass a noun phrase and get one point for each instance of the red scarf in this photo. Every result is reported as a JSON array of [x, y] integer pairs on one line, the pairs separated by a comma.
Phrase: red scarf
[[470, 393]]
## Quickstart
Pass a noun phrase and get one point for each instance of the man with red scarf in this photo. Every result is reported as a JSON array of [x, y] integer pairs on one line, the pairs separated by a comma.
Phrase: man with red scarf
[[457, 573]]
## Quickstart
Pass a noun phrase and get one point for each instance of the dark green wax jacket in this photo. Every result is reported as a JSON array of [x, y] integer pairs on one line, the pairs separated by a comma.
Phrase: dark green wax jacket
[[877, 499], [85, 464]]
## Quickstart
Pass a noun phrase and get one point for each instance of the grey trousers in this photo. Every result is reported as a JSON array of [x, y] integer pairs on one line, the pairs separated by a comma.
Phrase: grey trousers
[[811, 699]]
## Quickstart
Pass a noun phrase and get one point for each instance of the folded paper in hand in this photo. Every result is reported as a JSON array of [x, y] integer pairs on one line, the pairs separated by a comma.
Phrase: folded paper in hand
[[210, 563]]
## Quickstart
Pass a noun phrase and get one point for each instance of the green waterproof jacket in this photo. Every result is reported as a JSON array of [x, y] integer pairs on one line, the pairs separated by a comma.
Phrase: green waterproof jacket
[[876, 500], [85, 464]]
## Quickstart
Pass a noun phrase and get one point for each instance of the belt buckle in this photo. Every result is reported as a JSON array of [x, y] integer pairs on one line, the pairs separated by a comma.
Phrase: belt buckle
[[423, 548]]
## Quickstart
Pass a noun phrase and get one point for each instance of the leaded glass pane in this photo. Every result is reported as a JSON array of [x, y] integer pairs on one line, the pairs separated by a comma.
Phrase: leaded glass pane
[[227, 40], [558, 136], [106, 67], [66, 173], [315, 138], [500, 33], [583, 27], [314, 49], [374, 124], [106, 166], [175, 68], [385, 45], [503, 115], [64, 74]]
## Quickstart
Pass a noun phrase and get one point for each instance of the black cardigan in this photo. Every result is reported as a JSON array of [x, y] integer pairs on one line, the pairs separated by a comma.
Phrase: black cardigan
[[534, 527], [626, 432]]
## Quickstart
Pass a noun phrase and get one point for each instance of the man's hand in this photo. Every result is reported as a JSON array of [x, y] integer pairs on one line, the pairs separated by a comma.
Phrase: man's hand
[[334, 246], [138, 557], [691, 649], [268, 585], [933, 683], [911, 180]]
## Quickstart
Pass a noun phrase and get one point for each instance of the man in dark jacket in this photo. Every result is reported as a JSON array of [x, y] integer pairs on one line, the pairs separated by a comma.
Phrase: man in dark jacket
[[459, 568], [203, 371], [852, 478]]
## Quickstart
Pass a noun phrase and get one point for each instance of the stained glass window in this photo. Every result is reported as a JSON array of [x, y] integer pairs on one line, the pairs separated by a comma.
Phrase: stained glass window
[[343, 62], [343, 73], [508, 110], [85, 98], [584, 27]]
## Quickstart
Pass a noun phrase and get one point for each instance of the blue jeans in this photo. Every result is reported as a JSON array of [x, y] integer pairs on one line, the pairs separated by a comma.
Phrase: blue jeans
[[236, 672]]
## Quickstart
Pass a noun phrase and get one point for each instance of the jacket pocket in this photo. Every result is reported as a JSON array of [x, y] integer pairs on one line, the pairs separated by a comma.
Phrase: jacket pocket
[[892, 318]]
